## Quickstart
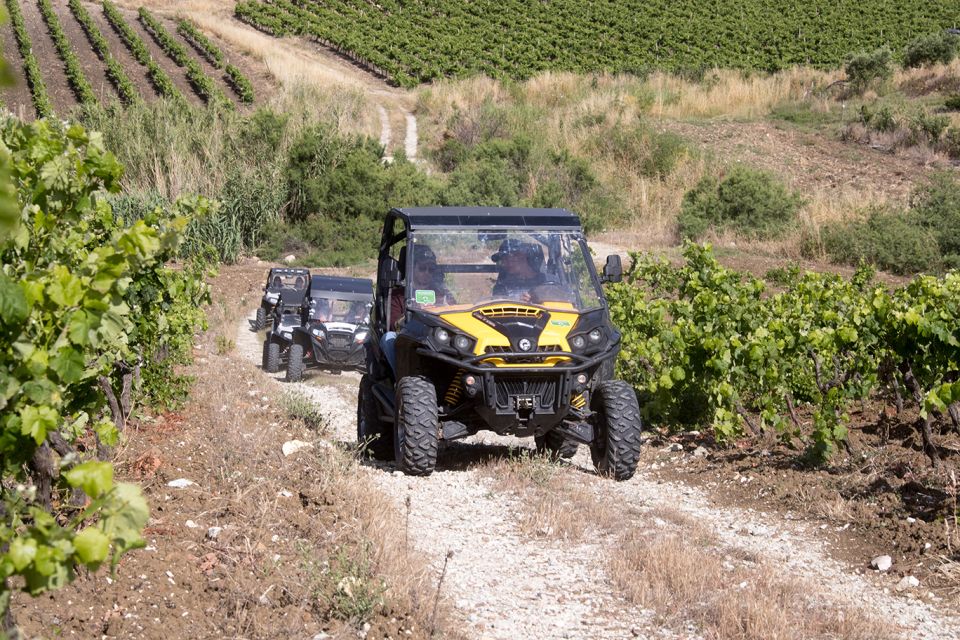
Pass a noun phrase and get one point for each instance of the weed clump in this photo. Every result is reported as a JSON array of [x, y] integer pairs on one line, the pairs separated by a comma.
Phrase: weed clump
[[750, 202], [935, 48], [869, 70]]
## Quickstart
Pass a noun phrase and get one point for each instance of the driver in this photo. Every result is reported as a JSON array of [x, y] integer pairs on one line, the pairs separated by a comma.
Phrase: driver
[[519, 264]]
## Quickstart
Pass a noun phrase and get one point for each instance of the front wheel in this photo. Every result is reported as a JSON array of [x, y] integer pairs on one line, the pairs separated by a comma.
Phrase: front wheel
[[295, 363], [261, 322], [271, 356], [416, 428], [555, 446], [373, 434], [616, 444]]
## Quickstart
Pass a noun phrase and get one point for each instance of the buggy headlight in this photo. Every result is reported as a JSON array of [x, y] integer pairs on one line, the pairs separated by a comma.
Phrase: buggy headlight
[[595, 336], [462, 343], [360, 337], [578, 342], [442, 335], [317, 332]]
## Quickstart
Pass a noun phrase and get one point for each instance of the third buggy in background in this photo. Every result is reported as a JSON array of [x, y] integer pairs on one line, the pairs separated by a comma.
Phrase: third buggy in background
[[279, 279]]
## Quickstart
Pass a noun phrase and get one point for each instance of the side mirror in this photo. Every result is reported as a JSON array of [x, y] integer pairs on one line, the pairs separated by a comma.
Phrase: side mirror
[[613, 269], [389, 273]]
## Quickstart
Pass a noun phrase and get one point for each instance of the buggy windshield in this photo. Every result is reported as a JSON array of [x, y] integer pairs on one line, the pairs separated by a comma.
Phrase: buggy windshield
[[458, 269], [335, 310]]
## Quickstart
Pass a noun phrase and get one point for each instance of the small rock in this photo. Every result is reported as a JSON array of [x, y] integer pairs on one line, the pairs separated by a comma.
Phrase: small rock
[[292, 446], [181, 483], [676, 446], [290, 258], [700, 452], [908, 582], [191, 524], [214, 532], [882, 563], [911, 520]]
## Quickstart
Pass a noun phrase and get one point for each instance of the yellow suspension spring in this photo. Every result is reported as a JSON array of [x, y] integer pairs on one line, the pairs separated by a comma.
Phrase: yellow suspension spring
[[578, 401], [455, 390]]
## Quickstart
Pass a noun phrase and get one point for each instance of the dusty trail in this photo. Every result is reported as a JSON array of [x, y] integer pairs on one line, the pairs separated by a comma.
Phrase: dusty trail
[[507, 585]]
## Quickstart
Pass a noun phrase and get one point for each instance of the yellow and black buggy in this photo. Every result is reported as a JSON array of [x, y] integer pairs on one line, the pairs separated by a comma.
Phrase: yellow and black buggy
[[493, 318]]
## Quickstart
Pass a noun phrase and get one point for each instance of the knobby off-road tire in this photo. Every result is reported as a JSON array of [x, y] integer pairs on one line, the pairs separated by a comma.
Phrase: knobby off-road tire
[[555, 446], [616, 445], [416, 426], [271, 356], [295, 363], [261, 322], [374, 434]]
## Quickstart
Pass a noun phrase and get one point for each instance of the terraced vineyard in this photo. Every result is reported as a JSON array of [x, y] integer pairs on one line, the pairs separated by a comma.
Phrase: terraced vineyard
[[86, 40], [412, 42]]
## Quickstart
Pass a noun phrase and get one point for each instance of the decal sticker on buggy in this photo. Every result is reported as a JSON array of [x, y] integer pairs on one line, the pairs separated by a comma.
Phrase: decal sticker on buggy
[[426, 296], [560, 323]]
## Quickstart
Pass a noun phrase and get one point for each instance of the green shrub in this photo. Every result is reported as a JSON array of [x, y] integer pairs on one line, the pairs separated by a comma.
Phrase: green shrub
[[930, 49], [882, 119], [889, 240], [936, 208], [951, 142], [927, 128], [869, 70], [751, 202], [952, 102]]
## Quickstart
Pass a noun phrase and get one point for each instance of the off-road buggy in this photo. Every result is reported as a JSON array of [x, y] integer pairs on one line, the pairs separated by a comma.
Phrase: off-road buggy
[[279, 279], [494, 319], [335, 326], [287, 316]]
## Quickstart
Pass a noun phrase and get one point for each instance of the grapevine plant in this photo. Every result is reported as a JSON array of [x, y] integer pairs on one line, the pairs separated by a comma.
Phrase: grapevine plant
[[705, 344], [82, 296]]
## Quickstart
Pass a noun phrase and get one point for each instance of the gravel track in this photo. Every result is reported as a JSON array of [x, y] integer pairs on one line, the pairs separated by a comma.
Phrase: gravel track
[[509, 586]]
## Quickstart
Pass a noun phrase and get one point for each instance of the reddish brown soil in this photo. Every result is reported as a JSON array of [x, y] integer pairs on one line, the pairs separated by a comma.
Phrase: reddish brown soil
[[93, 68], [177, 74], [51, 66], [884, 499]]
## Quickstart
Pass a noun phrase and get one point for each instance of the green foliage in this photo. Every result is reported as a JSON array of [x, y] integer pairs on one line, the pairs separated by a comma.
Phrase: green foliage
[[31, 68], [935, 48], [927, 128], [80, 296], [750, 202], [78, 81], [869, 70], [419, 42], [922, 238], [889, 240], [882, 119], [201, 82], [303, 409], [952, 102], [706, 345], [161, 81]]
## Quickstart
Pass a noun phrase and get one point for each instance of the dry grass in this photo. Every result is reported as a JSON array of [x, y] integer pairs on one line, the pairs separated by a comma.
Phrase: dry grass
[[556, 504], [693, 583]]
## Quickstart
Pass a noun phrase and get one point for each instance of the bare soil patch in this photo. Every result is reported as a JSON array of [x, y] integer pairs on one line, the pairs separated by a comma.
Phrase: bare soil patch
[[16, 97], [809, 162], [135, 71]]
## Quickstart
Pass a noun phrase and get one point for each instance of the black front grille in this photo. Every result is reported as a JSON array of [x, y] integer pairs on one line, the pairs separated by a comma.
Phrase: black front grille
[[542, 388], [339, 340], [535, 357]]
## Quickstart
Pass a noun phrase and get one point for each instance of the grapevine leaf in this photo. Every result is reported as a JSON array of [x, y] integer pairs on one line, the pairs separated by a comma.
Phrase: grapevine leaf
[[22, 552], [92, 547], [94, 478], [13, 303]]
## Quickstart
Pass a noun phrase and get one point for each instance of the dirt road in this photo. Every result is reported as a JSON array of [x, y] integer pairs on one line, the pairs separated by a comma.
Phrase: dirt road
[[510, 580]]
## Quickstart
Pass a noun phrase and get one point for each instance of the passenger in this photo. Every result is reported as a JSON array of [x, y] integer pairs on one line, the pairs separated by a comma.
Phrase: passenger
[[277, 283], [519, 264], [427, 274], [299, 283]]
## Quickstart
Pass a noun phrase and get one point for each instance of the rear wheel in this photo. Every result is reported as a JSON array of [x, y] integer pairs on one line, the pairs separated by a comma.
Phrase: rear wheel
[[616, 445], [295, 363], [373, 434], [555, 445], [261, 322], [415, 436], [271, 356]]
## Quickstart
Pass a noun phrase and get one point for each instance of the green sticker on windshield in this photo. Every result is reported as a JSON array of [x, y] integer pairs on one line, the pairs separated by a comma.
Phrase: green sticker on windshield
[[426, 296]]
